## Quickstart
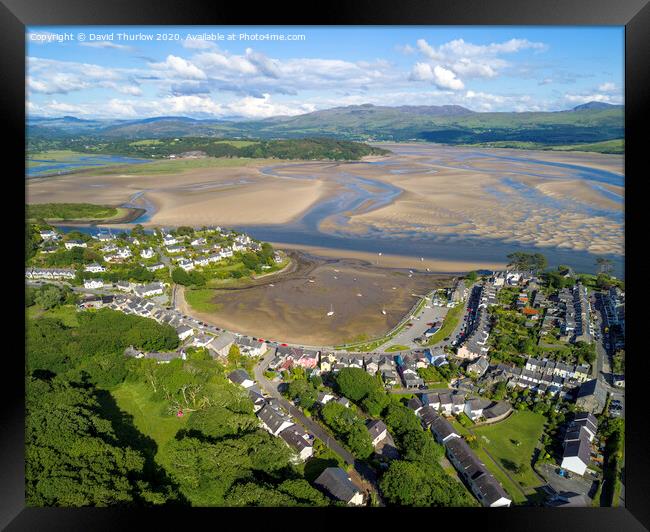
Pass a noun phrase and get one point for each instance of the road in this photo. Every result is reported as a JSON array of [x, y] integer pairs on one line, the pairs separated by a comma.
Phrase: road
[[271, 389]]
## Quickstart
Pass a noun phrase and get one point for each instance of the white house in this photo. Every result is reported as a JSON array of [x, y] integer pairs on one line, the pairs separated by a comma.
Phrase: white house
[[241, 378], [94, 268], [186, 264], [147, 253], [273, 420], [474, 408], [184, 331], [154, 267], [151, 289], [378, 431], [49, 235], [75, 244], [169, 240], [93, 283], [339, 485]]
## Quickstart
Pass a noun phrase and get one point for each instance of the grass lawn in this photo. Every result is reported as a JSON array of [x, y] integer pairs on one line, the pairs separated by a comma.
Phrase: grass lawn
[[148, 415], [448, 325], [67, 314], [201, 300], [396, 347], [523, 426]]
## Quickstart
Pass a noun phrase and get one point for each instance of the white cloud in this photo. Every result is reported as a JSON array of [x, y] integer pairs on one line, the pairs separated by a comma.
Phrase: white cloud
[[108, 44], [180, 68], [607, 87], [440, 76]]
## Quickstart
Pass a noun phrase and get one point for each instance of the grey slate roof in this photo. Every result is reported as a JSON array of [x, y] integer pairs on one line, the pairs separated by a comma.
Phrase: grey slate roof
[[336, 482]]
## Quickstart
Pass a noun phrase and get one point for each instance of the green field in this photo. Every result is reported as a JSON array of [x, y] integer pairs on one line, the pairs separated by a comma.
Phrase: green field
[[448, 325], [523, 426], [201, 300], [616, 146], [73, 211], [396, 347], [66, 314], [148, 415]]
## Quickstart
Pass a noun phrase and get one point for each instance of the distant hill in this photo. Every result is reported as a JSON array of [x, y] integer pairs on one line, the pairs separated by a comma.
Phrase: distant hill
[[450, 124], [596, 105]]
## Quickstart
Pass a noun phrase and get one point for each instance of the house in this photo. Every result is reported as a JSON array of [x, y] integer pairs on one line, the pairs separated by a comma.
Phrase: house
[[75, 244], [445, 403], [336, 482], [94, 268], [154, 267], [484, 486], [123, 285], [147, 253], [323, 398], [577, 452], [169, 240], [48, 234], [250, 347], [591, 397], [258, 399], [202, 340], [163, 358], [442, 430], [474, 408], [479, 366], [221, 345], [457, 403], [344, 401], [377, 429], [184, 331], [186, 264], [241, 378], [151, 289], [431, 399], [93, 283], [497, 411], [299, 441], [273, 419], [427, 416], [415, 404]]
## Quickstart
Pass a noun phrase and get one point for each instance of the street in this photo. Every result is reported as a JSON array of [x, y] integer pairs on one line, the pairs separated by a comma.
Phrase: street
[[312, 426]]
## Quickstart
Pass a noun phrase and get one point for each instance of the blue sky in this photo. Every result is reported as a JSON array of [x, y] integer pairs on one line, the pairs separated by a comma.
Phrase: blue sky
[[92, 72]]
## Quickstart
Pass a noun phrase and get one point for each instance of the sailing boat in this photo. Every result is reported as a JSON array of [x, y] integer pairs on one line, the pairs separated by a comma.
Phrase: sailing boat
[[331, 312]]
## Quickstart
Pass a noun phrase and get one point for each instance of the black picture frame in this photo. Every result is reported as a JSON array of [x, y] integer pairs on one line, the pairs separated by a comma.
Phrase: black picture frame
[[633, 14]]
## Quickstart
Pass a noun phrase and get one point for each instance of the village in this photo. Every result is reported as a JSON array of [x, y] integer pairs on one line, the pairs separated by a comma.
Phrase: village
[[455, 385]]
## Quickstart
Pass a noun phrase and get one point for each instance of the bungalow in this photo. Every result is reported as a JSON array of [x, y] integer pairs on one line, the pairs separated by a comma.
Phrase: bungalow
[[175, 249], [273, 419], [199, 241], [202, 340], [123, 285], [299, 441], [75, 244], [169, 240], [241, 378], [336, 482], [163, 358], [94, 268], [184, 331], [147, 253], [344, 401], [154, 267]]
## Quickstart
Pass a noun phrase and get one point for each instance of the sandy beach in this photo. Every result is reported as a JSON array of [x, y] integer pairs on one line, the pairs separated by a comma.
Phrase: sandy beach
[[293, 307]]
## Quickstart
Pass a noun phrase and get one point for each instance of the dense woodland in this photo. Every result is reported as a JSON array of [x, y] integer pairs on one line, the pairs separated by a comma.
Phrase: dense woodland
[[307, 148]]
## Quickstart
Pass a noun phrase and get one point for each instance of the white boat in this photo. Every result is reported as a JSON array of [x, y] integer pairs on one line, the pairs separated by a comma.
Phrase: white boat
[[311, 281], [359, 295], [271, 284], [383, 312], [331, 312]]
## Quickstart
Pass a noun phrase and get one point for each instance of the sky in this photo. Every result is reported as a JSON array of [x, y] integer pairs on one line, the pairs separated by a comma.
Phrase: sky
[[255, 72]]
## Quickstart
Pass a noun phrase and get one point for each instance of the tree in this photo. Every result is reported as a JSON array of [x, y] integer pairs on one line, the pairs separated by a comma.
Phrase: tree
[[73, 456], [415, 484], [472, 276], [138, 231], [49, 296]]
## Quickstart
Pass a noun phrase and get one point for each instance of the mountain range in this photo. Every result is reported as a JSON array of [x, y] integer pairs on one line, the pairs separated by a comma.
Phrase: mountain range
[[453, 124]]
